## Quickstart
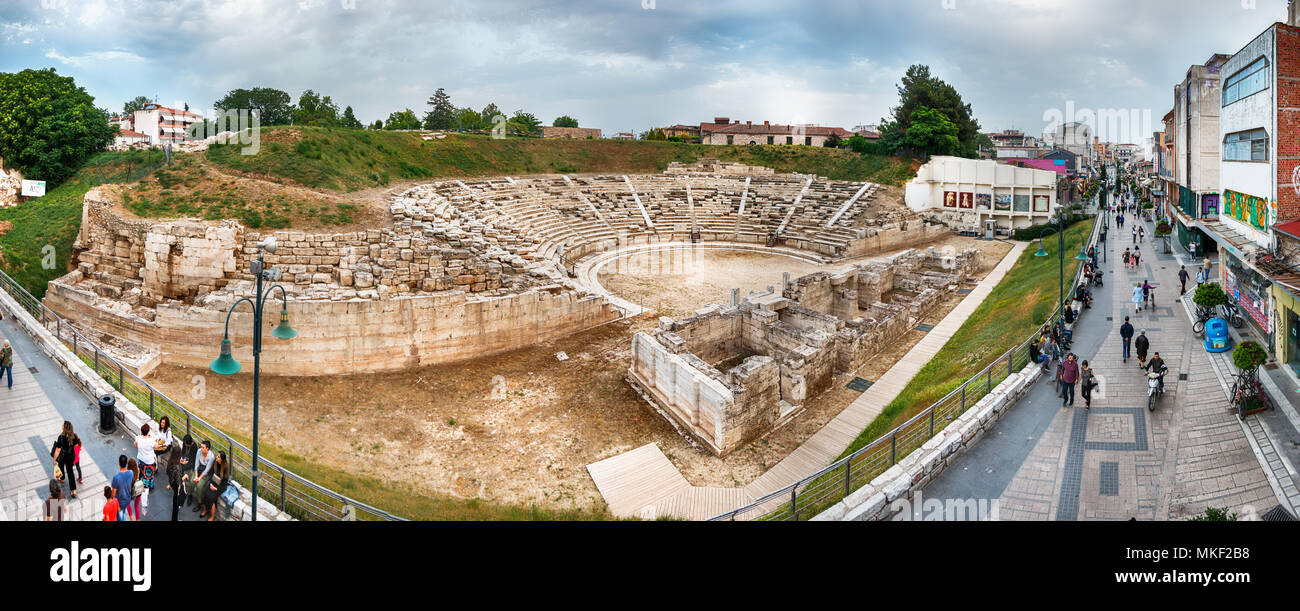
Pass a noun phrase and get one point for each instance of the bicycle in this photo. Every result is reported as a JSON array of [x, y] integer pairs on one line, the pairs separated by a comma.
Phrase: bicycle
[[1245, 388], [1202, 315]]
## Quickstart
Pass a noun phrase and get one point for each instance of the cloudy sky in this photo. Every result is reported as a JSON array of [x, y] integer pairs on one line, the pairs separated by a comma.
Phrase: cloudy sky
[[626, 65]]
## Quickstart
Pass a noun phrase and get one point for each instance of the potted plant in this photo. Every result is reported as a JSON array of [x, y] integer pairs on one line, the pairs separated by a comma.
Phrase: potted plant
[[1208, 296], [1163, 229], [1247, 394]]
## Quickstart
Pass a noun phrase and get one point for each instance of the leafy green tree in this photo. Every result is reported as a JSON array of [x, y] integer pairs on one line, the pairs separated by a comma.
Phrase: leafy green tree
[[315, 110], [443, 113], [565, 121], [379, 124], [919, 89], [274, 107], [524, 123], [653, 134], [931, 133], [405, 119], [469, 119], [49, 125], [134, 104], [1209, 295], [488, 113], [349, 119]]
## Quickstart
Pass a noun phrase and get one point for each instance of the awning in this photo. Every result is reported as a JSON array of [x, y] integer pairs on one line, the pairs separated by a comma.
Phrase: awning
[[1291, 228]]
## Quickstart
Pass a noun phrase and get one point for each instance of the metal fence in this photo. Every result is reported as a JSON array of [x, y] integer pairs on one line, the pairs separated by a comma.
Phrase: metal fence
[[819, 491], [278, 486]]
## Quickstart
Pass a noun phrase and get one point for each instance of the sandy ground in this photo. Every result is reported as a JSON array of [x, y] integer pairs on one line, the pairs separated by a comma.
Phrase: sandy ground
[[521, 427]]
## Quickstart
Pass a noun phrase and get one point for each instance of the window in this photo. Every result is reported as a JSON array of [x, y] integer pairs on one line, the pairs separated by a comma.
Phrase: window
[[771, 139], [731, 139], [807, 140], [789, 139], [1251, 145], [1249, 80]]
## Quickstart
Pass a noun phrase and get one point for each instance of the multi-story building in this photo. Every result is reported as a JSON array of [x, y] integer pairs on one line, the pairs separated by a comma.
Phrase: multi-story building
[[688, 133], [1259, 216], [1195, 168], [163, 125], [769, 133]]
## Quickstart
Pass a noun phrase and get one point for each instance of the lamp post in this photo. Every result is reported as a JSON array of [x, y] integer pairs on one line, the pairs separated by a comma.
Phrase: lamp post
[[227, 365], [1060, 251]]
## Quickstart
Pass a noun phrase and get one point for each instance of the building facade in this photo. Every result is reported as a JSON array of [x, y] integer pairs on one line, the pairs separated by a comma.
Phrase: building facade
[[163, 125], [976, 190]]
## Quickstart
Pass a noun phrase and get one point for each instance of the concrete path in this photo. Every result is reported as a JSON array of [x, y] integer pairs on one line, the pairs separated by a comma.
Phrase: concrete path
[[31, 417], [664, 491], [1118, 461]]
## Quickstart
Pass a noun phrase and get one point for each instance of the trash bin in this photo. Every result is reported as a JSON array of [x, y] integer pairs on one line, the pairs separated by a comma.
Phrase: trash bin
[[1216, 335], [107, 414]]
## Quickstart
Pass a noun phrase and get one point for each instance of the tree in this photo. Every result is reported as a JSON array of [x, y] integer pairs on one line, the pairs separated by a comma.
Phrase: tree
[[832, 142], [134, 104], [653, 134], [443, 114], [524, 123], [919, 89], [405, 119], [1209, 295], [349, 120], [274, 107], [315, 110], [379, 124], [468, 119], [565, 121], [49, 125], [489, 114], [931, 133]]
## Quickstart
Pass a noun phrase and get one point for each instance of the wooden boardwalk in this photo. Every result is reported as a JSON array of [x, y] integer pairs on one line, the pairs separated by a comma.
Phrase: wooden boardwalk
[[644, 483]]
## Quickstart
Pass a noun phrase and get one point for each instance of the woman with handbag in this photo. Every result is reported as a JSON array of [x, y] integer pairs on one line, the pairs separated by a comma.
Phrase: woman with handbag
[[163, 442], [216, 486], [137, 491], [63, 454], [56, 507]]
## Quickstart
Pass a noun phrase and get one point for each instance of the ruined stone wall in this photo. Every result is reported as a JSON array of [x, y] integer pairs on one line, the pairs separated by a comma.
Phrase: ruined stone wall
[[895, 236], [344, 337]]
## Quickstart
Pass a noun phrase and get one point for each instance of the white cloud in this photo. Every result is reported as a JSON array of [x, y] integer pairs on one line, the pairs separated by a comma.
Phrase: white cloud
[[94, 57]]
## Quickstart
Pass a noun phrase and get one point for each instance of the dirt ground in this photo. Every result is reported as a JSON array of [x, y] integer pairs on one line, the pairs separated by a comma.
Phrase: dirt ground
[[521, 427]]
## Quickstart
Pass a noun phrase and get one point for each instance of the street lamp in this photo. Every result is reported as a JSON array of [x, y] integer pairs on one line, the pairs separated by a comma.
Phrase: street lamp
[[1060, 251], [225, 364]]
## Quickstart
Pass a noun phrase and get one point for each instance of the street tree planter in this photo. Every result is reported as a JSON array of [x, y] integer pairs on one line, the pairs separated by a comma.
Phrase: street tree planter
[[1208, 297], [1248, 395], [1163, 229]]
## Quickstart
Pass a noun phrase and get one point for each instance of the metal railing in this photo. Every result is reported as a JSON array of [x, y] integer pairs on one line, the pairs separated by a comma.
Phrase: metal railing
[[819, 491], [280, 487]]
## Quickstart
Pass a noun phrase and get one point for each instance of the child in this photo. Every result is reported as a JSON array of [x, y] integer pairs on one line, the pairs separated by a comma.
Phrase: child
[[110, 505], [76, 455]]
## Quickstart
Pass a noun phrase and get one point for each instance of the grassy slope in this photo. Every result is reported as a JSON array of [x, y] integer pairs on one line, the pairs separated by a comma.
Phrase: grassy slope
[[55, 218], [349, 160], [1017, 307]]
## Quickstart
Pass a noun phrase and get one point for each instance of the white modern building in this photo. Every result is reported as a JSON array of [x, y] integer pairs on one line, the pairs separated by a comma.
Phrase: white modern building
[[971, 191], [162, 124]]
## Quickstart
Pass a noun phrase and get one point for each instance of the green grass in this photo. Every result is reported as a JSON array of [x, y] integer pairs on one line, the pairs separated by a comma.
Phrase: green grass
[[1017, 306], [53, 220], [352, 159]]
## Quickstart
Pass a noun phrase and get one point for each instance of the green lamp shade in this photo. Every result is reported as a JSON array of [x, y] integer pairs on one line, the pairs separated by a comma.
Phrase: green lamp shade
[[1082, 256], [225, 364], [1041, 252], [283, 330]]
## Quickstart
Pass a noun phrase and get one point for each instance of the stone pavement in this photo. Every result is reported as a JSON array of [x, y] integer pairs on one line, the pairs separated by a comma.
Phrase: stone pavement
[[1118, 461], [31, 417]]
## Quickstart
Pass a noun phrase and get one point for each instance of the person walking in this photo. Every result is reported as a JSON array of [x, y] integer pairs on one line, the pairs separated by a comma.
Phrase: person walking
[[1126, 335], [1137, 297], [1182, 279], [7, 363], [1135, 234], [55, 507], [1137, 257], [1069, 375], [1119, 222], [1086, 383], [1142, 232], [111, 509], [1141, 345], [63, 454], [146, 457], [122, 483], [1149, 295]]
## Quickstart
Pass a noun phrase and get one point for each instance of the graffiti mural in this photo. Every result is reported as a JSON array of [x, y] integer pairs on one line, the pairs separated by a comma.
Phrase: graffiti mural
[[966, 200], [1254, 211], [949, 199], [1003, 202], [983, 201]]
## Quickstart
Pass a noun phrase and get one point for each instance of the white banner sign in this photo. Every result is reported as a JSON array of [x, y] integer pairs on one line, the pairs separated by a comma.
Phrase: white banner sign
[[33, 188]]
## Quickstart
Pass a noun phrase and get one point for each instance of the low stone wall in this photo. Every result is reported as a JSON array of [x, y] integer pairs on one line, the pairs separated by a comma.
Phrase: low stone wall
[[901, 481], [894, 237], [343, 337]]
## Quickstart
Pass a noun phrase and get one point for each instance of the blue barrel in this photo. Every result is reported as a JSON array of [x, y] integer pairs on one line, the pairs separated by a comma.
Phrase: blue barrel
[[1216, 335]]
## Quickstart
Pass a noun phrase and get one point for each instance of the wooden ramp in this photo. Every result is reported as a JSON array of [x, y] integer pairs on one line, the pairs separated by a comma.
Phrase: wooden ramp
[[643, 484]]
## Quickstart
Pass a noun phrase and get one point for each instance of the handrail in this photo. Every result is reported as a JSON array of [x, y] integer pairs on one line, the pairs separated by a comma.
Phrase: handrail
[[294, 495], [826, 486]]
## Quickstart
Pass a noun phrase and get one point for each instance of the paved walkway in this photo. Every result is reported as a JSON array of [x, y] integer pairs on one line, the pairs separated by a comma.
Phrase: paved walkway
[[31, 417], [1118, 461], [663, 494]]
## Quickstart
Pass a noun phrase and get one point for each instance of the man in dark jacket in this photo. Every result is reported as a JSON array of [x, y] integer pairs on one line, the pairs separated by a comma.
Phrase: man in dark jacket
[[1069, 375], [1157, 365], [1182, 279], [1142, 344], [1086, 382], [1126, 333]]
